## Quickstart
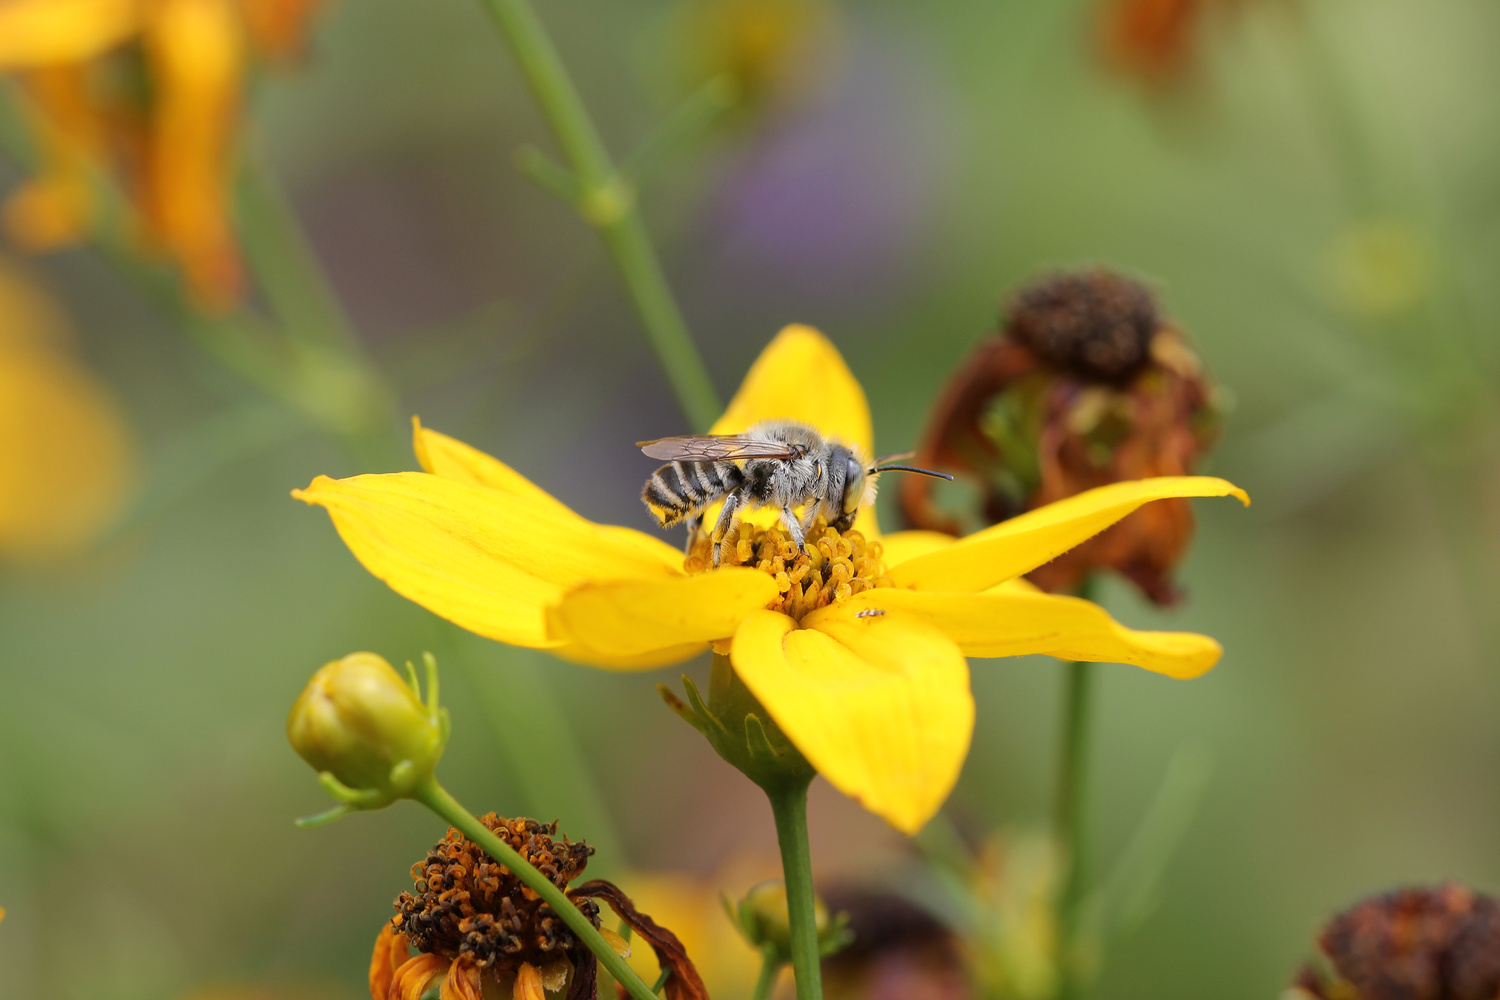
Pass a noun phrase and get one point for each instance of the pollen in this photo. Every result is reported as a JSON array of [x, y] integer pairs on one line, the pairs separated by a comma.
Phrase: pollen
[[833, 568], [466, 903]]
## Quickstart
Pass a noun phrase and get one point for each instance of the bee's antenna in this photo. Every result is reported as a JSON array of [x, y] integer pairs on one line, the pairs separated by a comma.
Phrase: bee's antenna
[[896, 457], [911, 468]]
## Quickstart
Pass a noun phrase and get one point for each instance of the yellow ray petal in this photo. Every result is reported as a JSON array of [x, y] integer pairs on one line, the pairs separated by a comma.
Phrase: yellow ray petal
[[450, 458], [801, 376], [879, 705], [900, 546], [485, 560], [1012, 622], [46, 32], [624, 619], [1023, 543]]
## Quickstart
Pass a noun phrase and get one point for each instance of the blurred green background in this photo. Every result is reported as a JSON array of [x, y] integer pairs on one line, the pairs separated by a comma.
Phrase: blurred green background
[[1316, 196]]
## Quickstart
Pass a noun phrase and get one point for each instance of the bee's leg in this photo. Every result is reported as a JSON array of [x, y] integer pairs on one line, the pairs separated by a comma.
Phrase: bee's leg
[[728, 518], [694, 528], [794, 528]]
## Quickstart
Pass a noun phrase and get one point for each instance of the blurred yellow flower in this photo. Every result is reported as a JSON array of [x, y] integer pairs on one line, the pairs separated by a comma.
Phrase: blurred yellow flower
[[871, 684], [692, 908], [66, 456], [769, 48], [147, 92]]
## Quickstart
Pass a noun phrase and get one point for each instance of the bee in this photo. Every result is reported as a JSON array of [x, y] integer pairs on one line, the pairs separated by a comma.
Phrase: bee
[[777, 463]]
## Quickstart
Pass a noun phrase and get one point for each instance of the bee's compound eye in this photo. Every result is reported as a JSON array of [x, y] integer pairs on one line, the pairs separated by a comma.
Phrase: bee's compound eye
[[854, 485]]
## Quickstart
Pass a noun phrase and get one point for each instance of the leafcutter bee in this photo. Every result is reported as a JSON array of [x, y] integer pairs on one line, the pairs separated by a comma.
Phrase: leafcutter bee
[[777, 463]]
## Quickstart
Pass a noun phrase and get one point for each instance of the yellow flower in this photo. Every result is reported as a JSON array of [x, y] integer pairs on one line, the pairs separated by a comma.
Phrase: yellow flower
[[66, 455], [148, 92], [872, 686]]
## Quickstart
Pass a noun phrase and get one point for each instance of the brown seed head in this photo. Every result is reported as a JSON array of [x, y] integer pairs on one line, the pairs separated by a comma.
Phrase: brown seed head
[[1095, 324], [1086, 385], [1414, 944], [466, 903]]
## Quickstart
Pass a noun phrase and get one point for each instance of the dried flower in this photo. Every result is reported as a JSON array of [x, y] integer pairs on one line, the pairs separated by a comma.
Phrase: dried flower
[[1085, 385], [476, 925], [1440, 943], [148, 93], [895, 949]]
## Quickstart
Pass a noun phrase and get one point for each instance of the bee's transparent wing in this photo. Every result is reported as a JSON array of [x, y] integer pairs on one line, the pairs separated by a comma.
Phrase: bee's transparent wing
[[714, 447]]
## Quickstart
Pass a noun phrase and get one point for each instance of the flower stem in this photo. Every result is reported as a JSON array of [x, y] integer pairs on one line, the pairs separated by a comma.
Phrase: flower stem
[[1069, 828], [435, 797], [789, 807], [770, 965], [607, 201]]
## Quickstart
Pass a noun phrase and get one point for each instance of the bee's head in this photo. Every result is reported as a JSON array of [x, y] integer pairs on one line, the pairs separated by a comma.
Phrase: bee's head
[[854, 483], [859, 480]]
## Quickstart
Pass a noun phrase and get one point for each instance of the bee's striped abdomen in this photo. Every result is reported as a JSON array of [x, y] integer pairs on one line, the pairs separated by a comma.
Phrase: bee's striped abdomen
[[678, 490]]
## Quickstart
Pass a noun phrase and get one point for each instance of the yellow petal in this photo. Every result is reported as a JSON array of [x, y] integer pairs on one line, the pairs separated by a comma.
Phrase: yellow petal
[[630, 618], [879, 705], [67, 457], [900, 546], [488, 561], [45, 32], [801, 376], [450, 458], [1010, 621], [1023, 543]]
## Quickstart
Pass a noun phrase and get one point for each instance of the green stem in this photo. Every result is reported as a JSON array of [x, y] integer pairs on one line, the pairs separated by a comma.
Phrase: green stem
[[789, 806], [435, 797], [661, 980], [770, 966], [1069, 827], [608, 203]]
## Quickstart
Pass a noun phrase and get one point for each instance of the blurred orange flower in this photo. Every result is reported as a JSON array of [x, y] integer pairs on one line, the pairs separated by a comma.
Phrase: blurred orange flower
[[149, 93], [66, 455], [1154, 41]]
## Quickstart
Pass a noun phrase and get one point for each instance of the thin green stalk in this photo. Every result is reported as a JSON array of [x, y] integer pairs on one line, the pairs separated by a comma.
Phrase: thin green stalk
[[770, 966], [435, 797], [608, 203], [1069, 827], [789, 807], [661, 980]]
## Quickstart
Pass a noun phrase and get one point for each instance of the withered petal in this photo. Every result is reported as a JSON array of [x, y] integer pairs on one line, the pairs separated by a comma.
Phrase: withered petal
[[684, 983], [391, 952]]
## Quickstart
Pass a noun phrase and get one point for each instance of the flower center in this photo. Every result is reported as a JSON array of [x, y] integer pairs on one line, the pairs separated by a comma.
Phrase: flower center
[[833, 568], [467, 903]]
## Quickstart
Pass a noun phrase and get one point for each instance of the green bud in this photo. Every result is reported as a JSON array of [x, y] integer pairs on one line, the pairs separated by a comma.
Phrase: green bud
[[367, 730], [763, 919]]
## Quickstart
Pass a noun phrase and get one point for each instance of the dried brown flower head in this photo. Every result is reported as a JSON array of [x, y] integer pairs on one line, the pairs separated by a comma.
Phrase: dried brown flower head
[[1085, 385], [479, 930], [1441, 943], [467, 903], [898, 949]]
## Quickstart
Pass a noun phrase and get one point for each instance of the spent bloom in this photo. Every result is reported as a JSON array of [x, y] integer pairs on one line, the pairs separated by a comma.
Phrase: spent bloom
[[1086, 384], [1439, 943], [148, 93], [856, 647], [477, 929]]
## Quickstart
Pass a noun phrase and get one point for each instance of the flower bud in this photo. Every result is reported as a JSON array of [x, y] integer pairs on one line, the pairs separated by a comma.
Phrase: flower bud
[[763, 919], [366, 729]]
